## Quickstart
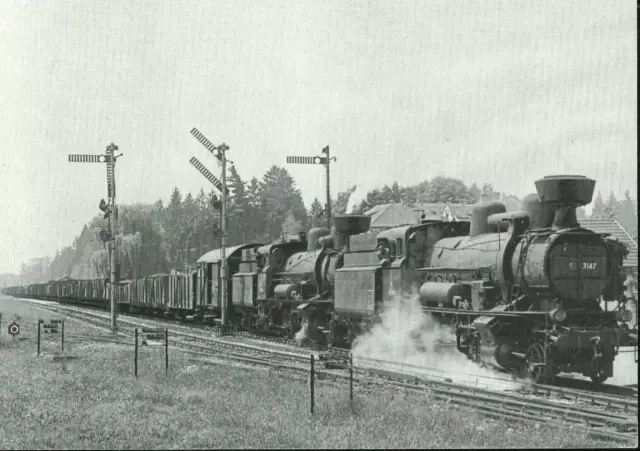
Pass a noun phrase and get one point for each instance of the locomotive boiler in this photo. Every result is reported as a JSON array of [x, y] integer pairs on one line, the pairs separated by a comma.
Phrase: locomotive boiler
[[544, 281], [523, 289]]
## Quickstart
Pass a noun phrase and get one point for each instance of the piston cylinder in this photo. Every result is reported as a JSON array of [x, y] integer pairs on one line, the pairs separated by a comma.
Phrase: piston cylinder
[[285, 291], [441, 294]]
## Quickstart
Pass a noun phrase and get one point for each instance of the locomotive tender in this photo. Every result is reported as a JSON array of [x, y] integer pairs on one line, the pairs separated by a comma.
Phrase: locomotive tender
[[522, 289]]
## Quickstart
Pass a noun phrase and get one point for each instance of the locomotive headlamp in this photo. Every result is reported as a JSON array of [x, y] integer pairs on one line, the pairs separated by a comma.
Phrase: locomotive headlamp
[[558, 315], [624, 315]]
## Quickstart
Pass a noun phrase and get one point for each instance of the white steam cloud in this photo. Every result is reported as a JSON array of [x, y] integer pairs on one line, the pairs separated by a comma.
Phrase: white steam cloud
[[356, 197], [408, 336], [303, 333]]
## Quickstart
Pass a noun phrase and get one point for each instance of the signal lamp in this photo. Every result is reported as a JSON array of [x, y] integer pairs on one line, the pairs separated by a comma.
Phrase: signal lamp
[[558, 315], [105, 208], [104, 235]]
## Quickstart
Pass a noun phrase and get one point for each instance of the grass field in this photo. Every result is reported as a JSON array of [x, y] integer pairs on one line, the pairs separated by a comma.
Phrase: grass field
[[95, 402]]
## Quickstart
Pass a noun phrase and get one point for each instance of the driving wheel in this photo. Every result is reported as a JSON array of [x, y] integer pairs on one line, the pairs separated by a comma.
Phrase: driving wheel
[[539, 364]]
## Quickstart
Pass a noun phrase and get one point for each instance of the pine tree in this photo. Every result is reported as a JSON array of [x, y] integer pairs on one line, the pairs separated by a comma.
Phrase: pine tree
[[238, 208], [597, 211], [278, 196], [611, 207], [173, 223], [627, 216], [316, 214], [255, 215]]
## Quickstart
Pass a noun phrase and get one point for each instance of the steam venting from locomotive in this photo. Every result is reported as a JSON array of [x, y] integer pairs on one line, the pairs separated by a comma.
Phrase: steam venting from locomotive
[[303, 333], [357, 196], [406, 335]]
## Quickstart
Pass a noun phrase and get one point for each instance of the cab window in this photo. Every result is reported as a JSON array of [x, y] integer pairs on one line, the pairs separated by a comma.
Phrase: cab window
[[399, 247], [392, 249]]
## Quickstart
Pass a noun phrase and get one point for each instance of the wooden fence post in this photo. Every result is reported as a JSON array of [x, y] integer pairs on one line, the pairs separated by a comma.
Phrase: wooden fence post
[[350, 376], [136, 355], [311, 382], [166, 351], [39, 322]]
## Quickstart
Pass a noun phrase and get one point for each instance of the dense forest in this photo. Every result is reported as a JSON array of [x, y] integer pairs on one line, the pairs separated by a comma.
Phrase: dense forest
[[160, 238]]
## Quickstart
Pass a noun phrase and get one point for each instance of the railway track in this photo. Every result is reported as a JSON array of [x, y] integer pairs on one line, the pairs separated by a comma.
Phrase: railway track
[[602, 415], [564, 387], [343, 354], [176, 338]]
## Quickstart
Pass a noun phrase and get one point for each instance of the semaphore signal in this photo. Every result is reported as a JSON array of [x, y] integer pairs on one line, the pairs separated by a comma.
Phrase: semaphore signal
[[220, 152], [207, 174], [326, 161], [107, 208]]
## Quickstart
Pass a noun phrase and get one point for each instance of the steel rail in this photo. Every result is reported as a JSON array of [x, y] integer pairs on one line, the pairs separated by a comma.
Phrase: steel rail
[[484, 396]]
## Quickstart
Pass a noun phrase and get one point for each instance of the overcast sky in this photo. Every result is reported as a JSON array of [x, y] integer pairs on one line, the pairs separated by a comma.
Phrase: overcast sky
[[486, 91]]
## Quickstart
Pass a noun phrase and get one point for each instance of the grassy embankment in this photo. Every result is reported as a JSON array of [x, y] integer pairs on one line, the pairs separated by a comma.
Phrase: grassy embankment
[[95, 402]]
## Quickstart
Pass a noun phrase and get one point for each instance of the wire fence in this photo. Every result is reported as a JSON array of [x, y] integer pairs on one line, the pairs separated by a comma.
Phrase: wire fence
[[151, 346], [154, 350]]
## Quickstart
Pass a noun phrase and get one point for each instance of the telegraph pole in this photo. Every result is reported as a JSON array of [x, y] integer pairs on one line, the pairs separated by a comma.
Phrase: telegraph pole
[[328, 166], [222, 148], [109, 209], [113, 223], [220, 152], [326, 161]]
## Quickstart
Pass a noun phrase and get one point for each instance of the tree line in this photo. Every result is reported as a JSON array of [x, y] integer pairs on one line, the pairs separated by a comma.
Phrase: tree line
[[160, 238]]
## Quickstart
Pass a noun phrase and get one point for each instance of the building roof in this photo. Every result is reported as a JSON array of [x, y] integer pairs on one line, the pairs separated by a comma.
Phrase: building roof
[[613, 227], [214, 255], [436, 210], [391, 215]]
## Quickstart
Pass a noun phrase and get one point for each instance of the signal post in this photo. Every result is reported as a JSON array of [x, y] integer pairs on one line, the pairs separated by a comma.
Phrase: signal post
[[220, 152], [110, 211], [326, 161]]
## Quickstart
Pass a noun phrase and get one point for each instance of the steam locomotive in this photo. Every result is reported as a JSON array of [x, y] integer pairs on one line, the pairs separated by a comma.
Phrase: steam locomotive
[[522, 290]]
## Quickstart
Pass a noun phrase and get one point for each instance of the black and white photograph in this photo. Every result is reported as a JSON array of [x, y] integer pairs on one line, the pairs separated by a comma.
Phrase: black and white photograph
[[318, 224]]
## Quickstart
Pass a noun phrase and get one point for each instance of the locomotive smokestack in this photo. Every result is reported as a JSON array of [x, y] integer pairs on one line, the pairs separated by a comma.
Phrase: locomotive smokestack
[[480, 214], [347, 225], [540, 214], [314, 235], [565, 193]]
